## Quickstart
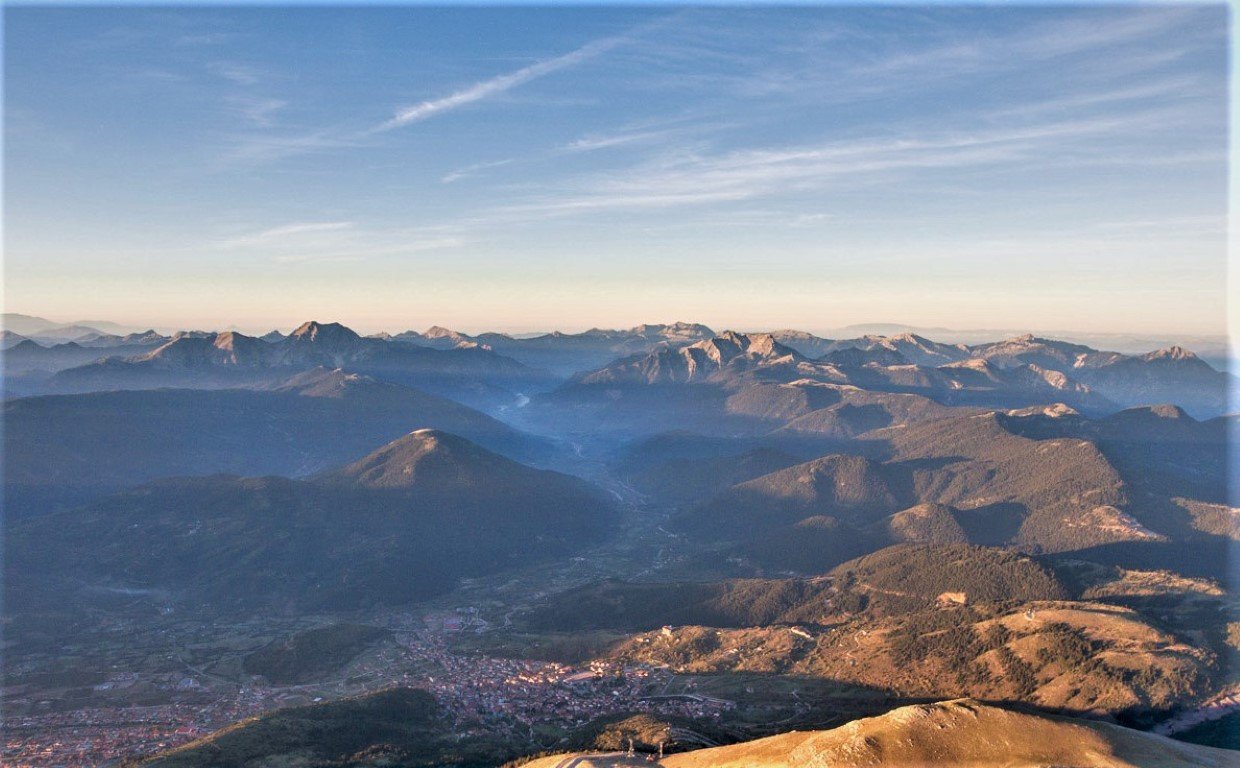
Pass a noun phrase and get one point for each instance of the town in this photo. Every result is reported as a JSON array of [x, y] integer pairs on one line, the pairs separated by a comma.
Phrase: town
[[522, 701]]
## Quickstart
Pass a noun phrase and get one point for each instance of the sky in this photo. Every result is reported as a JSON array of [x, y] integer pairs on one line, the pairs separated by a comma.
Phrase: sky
[[525, 169]]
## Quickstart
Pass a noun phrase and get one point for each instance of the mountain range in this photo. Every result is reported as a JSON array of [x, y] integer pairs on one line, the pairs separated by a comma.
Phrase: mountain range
[[741, 381], [66, 449], [1047, 480], [1022, 370], [401, 523], [812, 528]]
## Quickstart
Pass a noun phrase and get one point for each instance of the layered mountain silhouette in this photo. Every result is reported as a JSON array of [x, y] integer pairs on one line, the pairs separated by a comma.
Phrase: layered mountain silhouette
[[66, 449], [1019, 371], [1048, 480], [231, 359], [401, 523]]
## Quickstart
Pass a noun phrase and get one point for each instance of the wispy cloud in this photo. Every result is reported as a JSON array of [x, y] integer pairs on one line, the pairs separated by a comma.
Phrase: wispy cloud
[[236, 72], [342, 241], [1163, 88], [596, 142], [371, 248], [638, 133], [499, 84], [252, 148], [470, 170], [205, 38], [753, 173], [285, 232], [258, 111], [266, 148]]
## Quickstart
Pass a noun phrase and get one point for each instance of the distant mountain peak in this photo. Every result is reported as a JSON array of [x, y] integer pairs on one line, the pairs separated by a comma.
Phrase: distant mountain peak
[[1053, 411], [429, 458], [1174, 352], [909, 337], [1151, 413], [973, 364], [1168, 411], [680, 325], [314, 331], [229, 340], [731, 345], [792, 333], [439, 332]]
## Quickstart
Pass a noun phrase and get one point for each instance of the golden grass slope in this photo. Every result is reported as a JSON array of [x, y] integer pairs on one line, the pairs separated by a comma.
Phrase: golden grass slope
[[960, 733], [1086, 657]]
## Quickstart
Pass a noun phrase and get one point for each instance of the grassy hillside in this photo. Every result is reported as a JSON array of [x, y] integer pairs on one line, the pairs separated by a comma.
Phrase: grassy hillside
[[958, 733], [911, 577], [1084, 657]]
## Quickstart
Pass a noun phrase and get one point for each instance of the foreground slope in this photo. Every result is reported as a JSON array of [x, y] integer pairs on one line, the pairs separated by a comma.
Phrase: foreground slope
[[951, 733]]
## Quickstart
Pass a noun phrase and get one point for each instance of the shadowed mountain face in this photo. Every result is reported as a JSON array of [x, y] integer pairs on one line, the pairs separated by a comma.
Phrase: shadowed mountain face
[[1047, 480], [28, 363], [851, 487], [961, 732], [892, 581], [402, 523], [70, 448]]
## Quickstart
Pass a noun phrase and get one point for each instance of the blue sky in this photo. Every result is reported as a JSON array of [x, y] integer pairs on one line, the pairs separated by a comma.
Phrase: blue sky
[[524, 169]]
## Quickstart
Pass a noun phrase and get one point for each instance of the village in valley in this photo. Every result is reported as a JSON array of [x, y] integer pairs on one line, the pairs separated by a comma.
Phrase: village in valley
[[155, 697]]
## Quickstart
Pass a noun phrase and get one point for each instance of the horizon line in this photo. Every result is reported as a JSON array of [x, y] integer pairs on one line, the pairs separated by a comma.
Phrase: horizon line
[[870, 327]]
